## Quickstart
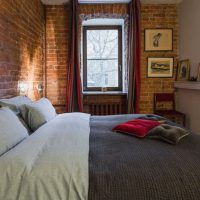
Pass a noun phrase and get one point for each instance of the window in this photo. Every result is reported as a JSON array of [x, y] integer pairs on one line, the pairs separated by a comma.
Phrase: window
[[102, 58]]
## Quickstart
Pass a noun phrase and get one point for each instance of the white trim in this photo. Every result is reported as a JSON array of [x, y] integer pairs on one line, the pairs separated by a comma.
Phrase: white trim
[[103, 1], [103, 21], [60, 2], [187, 85]]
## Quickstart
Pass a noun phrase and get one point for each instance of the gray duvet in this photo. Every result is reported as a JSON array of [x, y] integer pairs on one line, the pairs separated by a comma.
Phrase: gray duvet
[[123, 167]]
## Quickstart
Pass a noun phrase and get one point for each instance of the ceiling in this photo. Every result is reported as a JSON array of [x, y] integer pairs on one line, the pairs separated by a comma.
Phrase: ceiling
[[60, 2]]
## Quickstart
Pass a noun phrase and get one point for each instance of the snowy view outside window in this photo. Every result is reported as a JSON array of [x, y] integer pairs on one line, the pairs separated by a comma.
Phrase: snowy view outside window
[[102, 58]]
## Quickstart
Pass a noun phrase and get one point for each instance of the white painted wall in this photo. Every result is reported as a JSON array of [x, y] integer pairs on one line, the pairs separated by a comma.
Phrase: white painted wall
[[189, 103], [189, 38], [189, 47]]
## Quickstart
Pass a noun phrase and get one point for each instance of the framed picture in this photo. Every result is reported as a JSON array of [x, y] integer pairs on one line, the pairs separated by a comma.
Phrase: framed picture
[[198, 73], [183, 72], [158, 39], [160, 67]]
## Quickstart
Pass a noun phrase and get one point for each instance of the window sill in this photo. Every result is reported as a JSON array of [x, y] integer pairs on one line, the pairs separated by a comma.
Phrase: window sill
[[104, 93]]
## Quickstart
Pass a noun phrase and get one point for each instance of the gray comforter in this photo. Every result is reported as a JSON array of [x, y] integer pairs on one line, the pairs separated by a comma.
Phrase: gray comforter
[[122, 167]]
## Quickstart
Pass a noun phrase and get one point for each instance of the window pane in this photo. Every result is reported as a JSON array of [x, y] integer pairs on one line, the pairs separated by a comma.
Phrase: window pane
[[102, 44], [102, 58], [102, 73]]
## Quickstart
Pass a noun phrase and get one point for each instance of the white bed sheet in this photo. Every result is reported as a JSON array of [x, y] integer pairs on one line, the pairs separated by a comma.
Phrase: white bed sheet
[[51, 164]]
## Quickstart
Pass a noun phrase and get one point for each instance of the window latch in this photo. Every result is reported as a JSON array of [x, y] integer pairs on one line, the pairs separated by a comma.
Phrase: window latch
[[120, 68]]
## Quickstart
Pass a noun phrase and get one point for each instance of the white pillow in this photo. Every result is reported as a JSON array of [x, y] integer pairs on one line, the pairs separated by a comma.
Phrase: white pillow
[[15, 102], [11, 130], [37, 113]]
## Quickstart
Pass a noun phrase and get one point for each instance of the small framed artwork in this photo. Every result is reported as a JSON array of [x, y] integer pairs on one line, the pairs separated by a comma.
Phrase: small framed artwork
[[158, 39], [183, 72], [160, 67], [198, 73]]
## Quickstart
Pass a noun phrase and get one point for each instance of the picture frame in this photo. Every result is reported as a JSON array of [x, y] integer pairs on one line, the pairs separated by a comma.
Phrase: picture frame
[[159, 39], [198, 73], [160, 67], [183, 71]]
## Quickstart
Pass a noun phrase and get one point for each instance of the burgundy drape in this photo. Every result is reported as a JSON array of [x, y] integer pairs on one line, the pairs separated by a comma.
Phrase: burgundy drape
[[134, 48], [74, 90]]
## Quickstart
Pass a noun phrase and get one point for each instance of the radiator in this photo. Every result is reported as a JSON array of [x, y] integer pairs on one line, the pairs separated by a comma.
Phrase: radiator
[[105, 104], [105, 108]]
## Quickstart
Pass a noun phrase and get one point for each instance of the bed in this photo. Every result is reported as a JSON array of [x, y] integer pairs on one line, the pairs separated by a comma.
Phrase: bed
[[76, 156]]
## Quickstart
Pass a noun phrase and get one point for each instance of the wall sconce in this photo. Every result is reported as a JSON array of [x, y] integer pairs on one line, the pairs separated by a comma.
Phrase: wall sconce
[[39, 87], [23, 87]]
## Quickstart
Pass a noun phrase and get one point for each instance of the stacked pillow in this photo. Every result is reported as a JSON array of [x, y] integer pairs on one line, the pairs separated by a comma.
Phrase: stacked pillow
[[12, 127], [31, 114], [11, 132], [136, 127], [153, 129], [14, 103], [168, 133], [37, 113]]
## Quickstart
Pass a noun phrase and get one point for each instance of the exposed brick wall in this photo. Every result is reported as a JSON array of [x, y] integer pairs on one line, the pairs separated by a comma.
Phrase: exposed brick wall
[[58, 46], [57, 31], [22, 46], [107, 9], [22, 35], [157, 16], [57, 53]]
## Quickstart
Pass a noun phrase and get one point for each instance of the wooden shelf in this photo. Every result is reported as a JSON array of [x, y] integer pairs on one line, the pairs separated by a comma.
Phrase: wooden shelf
[[189, 85]]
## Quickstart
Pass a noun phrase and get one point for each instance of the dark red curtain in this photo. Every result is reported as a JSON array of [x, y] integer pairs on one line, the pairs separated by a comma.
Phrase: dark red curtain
[[74, 90], [134, 49]]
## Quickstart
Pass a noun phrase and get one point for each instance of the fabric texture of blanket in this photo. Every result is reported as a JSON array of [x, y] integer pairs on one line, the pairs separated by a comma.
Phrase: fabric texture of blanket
[[123, 167]]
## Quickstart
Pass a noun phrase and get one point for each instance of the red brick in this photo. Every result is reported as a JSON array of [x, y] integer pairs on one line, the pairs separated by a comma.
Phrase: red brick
[[21, 45]]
